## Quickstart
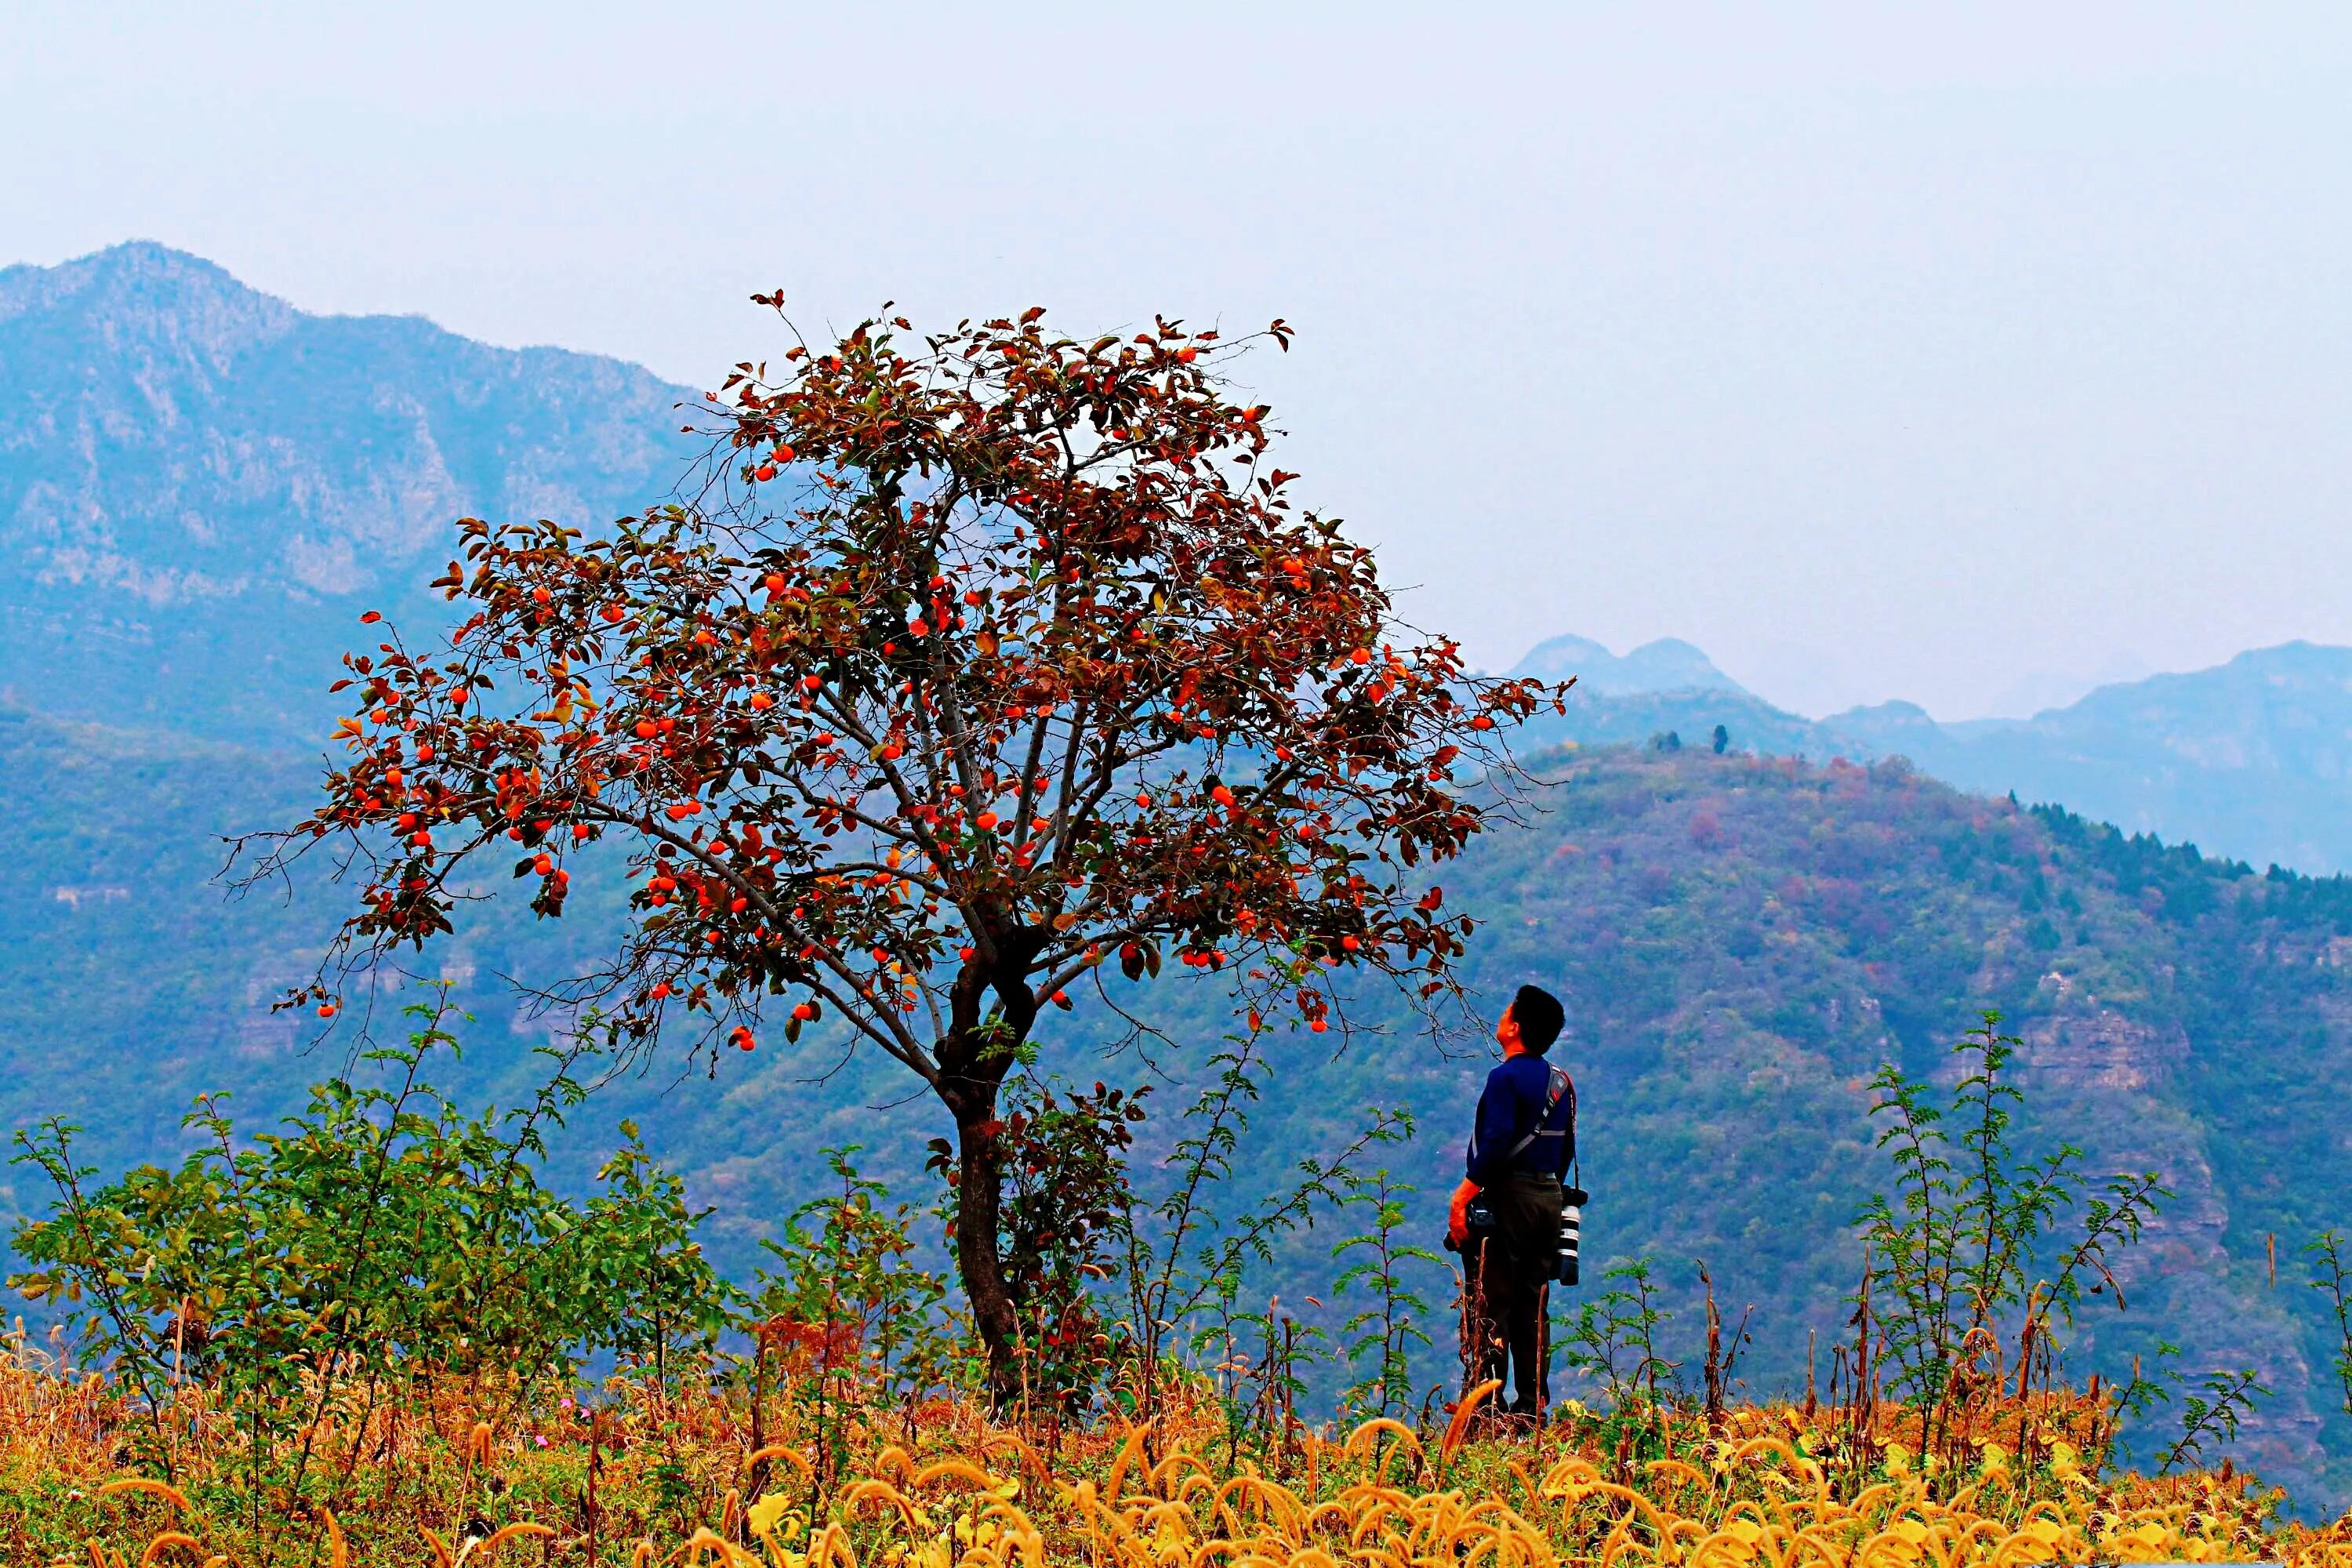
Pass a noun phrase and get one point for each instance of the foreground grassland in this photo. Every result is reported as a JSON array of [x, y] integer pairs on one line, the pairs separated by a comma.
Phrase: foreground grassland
[[644, 1474]]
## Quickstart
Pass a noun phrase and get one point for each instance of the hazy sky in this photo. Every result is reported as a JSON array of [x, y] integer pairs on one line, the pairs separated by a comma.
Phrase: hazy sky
[[1880, 356]]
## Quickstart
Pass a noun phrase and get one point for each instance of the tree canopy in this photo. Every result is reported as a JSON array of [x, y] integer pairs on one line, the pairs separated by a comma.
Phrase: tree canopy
[[983, 662]]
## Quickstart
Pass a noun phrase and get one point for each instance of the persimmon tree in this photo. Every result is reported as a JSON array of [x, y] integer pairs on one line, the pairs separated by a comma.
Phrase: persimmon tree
[[989, 664]]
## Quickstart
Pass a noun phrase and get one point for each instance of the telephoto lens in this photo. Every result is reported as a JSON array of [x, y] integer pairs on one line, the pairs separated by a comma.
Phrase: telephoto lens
[[1571, 1222]]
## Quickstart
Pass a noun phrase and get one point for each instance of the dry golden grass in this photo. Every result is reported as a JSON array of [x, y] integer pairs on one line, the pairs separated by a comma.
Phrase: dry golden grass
[[675, 1480]]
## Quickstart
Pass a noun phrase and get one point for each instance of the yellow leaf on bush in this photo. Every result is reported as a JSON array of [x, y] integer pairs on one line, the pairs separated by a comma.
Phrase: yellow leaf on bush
[[765, 1513]]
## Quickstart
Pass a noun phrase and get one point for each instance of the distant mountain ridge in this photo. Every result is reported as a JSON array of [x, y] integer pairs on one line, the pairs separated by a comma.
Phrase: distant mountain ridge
[[1668, 664], [2251, 759], [199, 483], [201, 486]]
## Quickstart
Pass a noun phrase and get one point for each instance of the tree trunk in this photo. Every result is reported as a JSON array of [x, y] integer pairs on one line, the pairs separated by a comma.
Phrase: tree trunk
[[980, 1188], [973, 1061]]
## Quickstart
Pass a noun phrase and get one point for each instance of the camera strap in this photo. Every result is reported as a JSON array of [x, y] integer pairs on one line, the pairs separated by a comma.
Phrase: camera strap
[[1561, 1084]]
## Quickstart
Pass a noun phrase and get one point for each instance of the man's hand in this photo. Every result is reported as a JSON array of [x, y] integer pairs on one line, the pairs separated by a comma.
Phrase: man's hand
[[1457, 1218]]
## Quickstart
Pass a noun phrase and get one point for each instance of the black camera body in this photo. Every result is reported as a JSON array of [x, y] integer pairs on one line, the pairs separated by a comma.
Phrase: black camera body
[[1480, 1218]]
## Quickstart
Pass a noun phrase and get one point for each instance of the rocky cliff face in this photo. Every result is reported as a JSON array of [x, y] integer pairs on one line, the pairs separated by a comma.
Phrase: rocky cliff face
[[201, 485], [2119, 1084], [2100, 1051]]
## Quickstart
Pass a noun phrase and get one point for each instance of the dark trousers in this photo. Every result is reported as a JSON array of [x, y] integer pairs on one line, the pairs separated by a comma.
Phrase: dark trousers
[[1506, 1279]]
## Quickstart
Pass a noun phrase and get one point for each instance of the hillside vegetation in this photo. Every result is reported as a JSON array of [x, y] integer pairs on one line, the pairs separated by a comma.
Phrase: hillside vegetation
[[1742, 942], [378, 1327], [2252, 758]]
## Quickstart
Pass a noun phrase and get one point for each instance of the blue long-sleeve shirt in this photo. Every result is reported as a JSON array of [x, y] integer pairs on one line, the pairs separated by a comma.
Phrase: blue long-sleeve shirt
[[1517, 1101]]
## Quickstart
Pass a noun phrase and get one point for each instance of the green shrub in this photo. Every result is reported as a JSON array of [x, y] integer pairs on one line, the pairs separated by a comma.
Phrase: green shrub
[[380, 1237]]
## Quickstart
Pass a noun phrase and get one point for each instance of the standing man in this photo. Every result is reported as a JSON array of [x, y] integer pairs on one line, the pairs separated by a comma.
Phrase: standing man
[[1519, 1151]]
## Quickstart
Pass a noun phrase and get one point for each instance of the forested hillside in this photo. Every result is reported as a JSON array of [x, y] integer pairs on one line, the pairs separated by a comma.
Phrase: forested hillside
[[1741, 941], [2251, 759], [1744, 940]]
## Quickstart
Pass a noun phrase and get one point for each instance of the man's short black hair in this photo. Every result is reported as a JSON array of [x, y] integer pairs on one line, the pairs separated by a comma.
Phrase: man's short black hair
[[1539, 1016]]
